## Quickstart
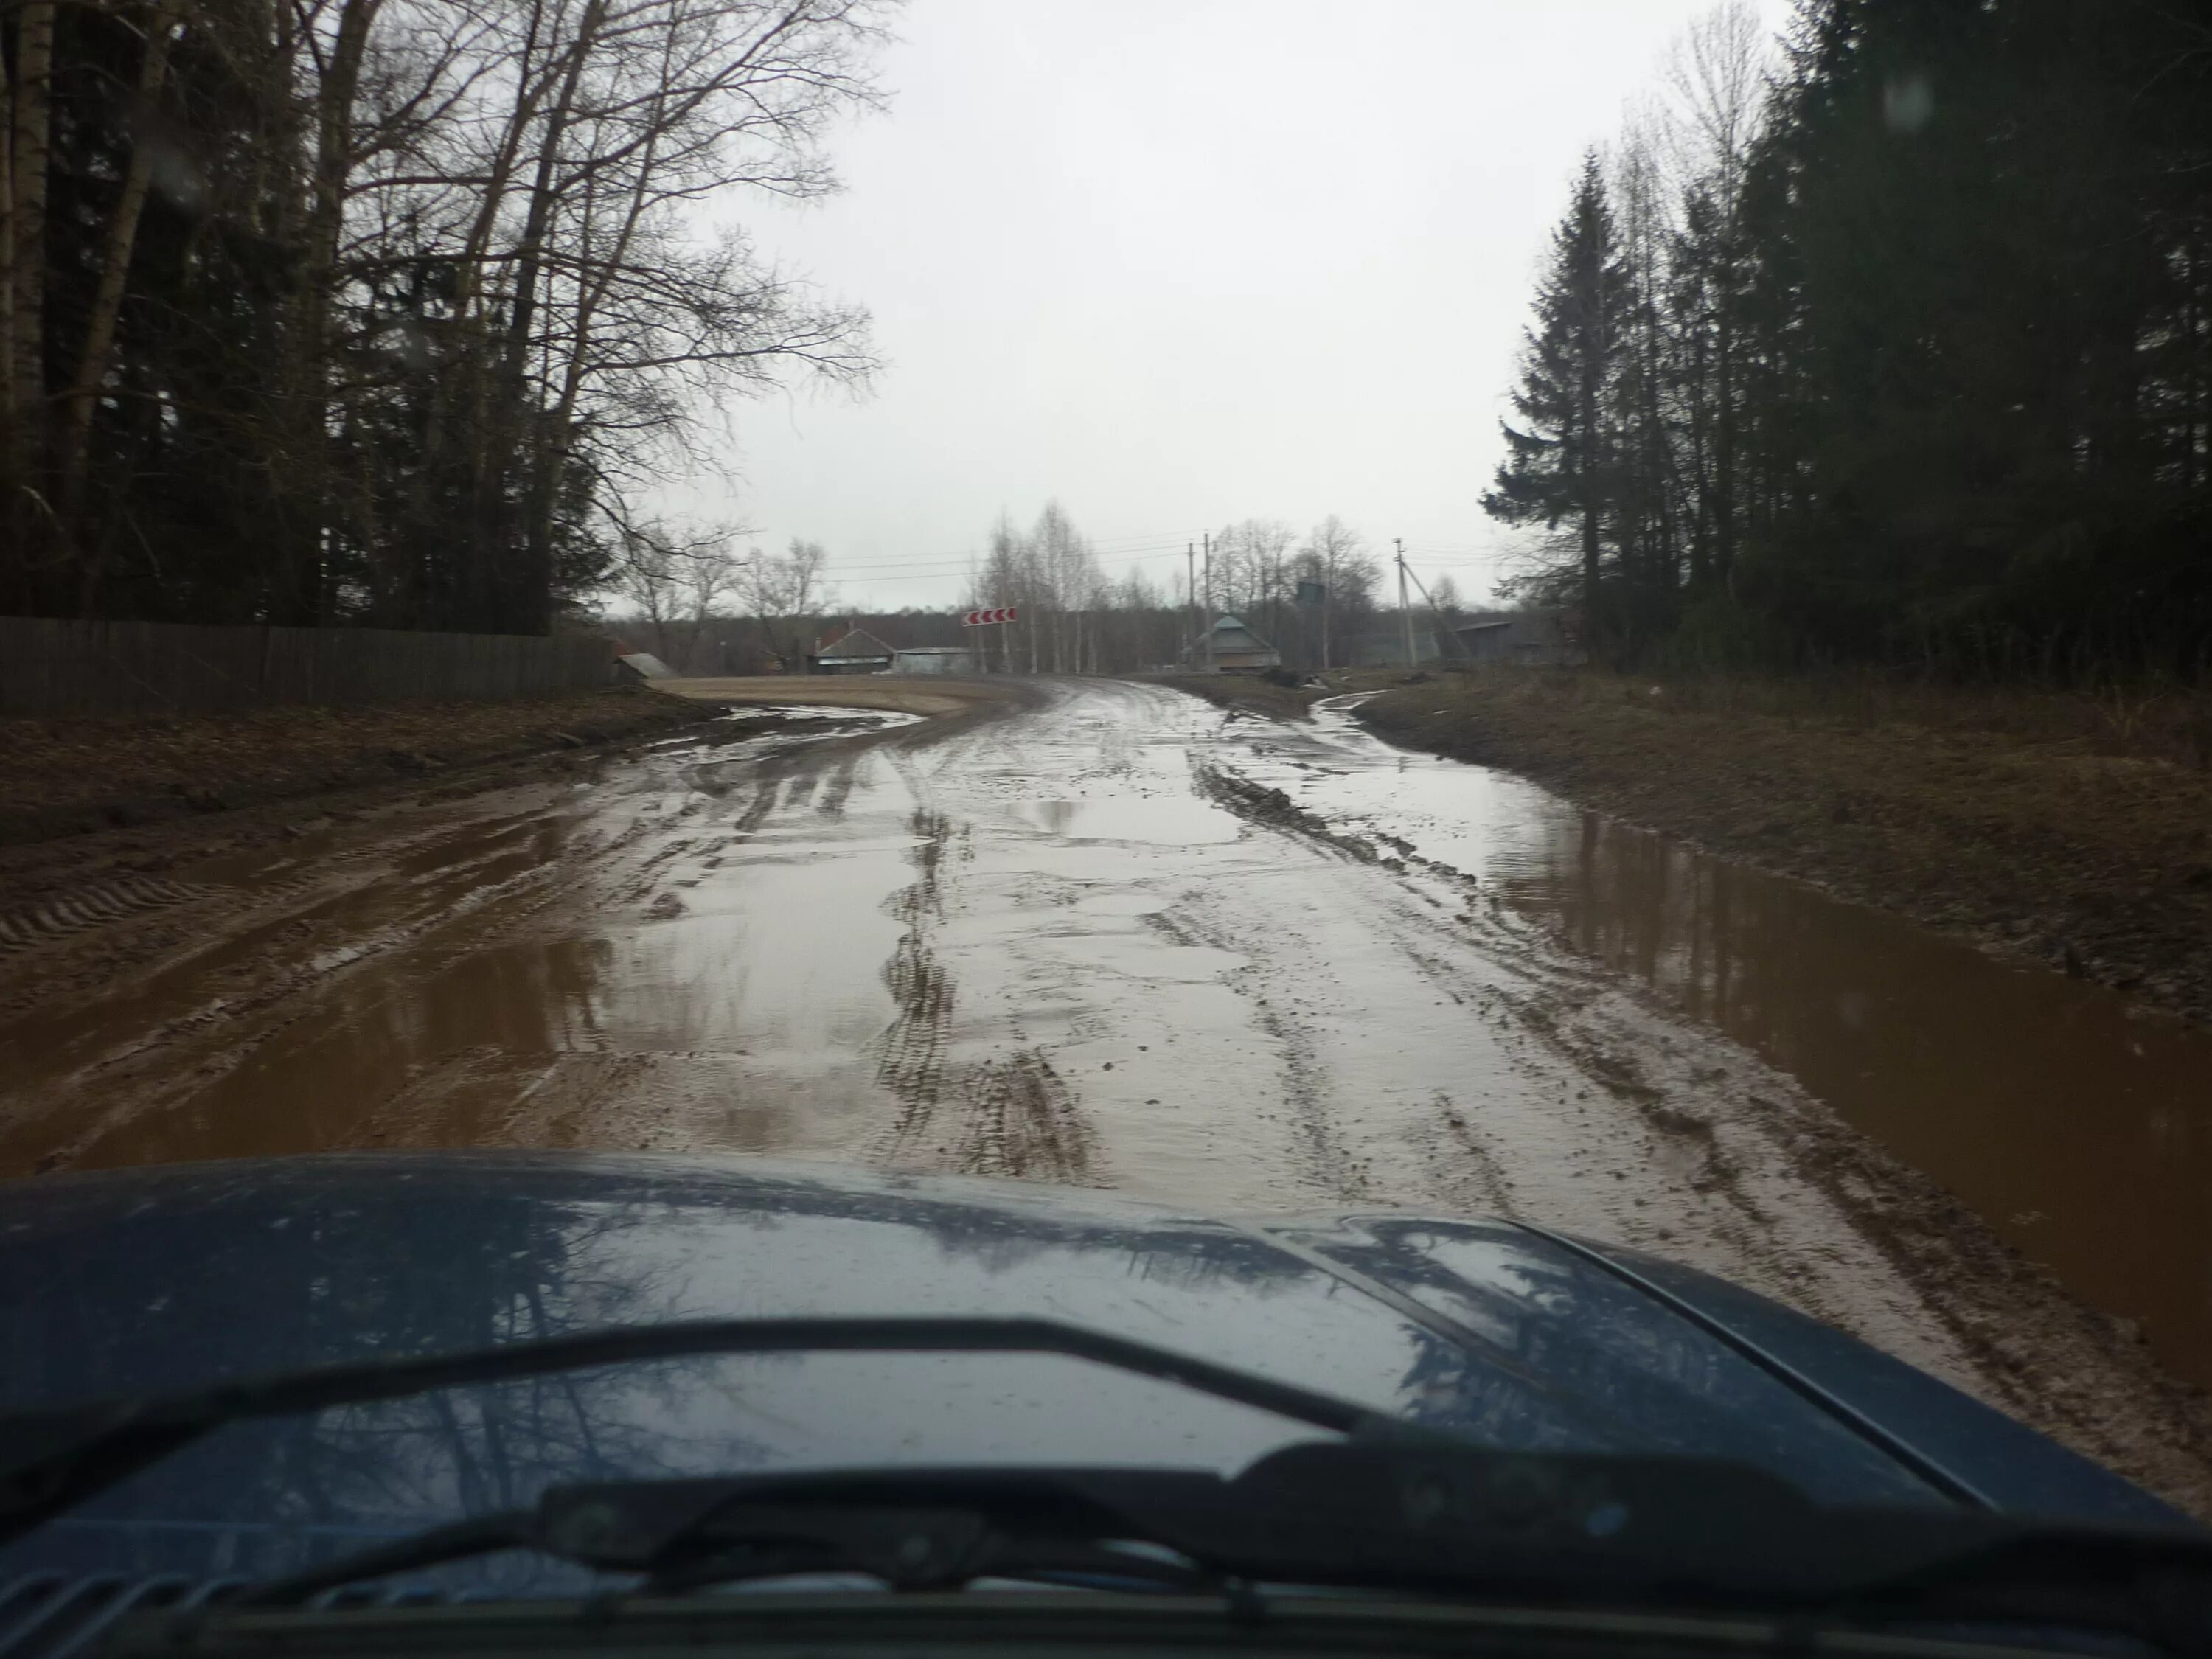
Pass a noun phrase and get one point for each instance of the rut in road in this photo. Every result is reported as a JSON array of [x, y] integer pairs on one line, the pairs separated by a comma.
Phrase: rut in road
[[1114, 937]]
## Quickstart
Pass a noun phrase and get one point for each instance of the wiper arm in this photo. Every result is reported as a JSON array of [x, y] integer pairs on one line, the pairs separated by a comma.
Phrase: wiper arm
[[52, 1461], [924, 1531], [1675, 1532]]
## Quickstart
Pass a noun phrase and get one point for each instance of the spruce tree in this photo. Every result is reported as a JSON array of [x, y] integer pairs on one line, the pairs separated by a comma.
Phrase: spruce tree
[[1560, 459]]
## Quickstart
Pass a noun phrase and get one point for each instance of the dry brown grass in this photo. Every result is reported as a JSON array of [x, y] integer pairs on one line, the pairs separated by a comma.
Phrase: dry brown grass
[[2143, 722], [67, 776]]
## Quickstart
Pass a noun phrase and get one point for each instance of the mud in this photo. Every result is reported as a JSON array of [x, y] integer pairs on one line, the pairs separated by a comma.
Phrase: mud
[[1112, 937], [925, 695], [82, 775]]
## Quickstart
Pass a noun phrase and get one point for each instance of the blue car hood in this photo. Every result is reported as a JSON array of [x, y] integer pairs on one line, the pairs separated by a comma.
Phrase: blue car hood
[[162, 1279]]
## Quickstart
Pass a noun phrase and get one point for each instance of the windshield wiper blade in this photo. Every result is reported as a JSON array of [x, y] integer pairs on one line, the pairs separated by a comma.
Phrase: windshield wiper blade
[[51, 1461], [926, 1531], [1575, 1529]]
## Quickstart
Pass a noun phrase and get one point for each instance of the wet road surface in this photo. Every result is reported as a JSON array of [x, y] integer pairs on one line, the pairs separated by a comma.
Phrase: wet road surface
[[1118, 937]]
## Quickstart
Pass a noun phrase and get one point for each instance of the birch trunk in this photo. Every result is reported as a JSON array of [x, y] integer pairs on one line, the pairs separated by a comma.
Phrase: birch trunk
[[75, 437]]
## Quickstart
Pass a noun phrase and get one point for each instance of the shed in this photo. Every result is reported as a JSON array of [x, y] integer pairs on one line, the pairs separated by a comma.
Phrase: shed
[[1385, 647], [634, 666], [1529, 637], [933, 659], [851, 651], [1235, 649]]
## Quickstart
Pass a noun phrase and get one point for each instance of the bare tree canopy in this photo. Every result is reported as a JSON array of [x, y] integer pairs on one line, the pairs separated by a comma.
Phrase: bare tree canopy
[[387, 310]]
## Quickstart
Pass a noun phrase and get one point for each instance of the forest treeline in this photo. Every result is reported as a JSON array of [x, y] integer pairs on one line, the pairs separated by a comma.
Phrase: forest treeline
[[1892, 346], [387, 312]]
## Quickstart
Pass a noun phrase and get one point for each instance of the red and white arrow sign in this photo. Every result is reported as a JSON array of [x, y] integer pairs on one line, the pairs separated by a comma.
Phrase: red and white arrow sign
[[978, 618]]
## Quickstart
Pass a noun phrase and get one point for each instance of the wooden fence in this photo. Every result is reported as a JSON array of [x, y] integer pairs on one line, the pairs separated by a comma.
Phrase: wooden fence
[[49, 667]]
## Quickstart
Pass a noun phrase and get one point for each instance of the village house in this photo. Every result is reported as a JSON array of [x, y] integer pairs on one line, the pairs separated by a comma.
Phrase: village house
[[844, 650], [1234, 649]]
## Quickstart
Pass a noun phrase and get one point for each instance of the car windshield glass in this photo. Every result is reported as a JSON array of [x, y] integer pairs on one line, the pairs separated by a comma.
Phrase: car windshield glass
[[260, 1499], [1500, 714], [576, 1264]]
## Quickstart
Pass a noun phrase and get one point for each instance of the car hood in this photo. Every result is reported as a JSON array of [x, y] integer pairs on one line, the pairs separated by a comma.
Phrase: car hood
[[163, 1279]]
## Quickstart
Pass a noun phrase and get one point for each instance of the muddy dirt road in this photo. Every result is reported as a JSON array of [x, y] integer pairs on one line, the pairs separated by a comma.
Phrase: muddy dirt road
[[1107, 935]]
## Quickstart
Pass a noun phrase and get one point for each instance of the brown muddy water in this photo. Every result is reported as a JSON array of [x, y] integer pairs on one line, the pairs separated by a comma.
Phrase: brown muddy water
[[2077, 1126]]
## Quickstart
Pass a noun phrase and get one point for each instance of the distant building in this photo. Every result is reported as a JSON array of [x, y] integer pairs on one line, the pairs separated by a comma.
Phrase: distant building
[[933, 659], [1532, 638], [1385, 647], [843, 650], [1234, 649], [630, 666]]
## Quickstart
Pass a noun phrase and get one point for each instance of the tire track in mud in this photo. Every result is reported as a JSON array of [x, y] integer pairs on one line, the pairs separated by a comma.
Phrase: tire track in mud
[[205, 975], [1522, 976], [1487, 1183], [1009, 1114], [282, 941], [1570, 1009], [96, 904], [1766, 1185], [254, 1001], [1305, 1086], [1023, 1121], [1687, 1175], [912, 1064], [838, 790]]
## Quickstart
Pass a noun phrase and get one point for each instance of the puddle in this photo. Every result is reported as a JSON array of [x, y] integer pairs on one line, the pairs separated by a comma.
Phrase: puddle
[[1159, 820], [781, 723], [615, 973], [2079, 1129]]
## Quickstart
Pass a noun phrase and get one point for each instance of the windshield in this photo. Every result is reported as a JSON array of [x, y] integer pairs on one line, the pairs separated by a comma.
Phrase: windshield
[[1495, 711], [519, 1263]]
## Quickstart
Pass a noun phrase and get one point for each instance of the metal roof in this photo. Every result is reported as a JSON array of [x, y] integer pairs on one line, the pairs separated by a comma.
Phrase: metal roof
[[854, 647]]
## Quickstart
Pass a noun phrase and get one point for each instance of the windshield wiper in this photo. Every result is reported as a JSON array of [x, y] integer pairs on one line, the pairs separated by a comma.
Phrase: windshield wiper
[[1438, 1518], [51, 1461]]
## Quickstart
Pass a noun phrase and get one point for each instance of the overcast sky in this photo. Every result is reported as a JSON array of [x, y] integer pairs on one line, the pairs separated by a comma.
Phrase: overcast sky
[[1175, 263]]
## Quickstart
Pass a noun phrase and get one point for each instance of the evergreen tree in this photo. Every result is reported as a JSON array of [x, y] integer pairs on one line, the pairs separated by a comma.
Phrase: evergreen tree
[[1560, 461]]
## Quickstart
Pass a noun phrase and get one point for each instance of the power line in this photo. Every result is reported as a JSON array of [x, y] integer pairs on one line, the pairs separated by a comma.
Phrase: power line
[[949, 566]]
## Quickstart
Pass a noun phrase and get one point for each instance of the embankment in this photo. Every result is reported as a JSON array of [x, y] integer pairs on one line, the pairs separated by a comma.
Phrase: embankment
[[2039, 827], [79, 774]]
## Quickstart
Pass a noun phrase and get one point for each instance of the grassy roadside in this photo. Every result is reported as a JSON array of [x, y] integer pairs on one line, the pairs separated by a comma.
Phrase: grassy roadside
[[2068, 831], [81, 773]]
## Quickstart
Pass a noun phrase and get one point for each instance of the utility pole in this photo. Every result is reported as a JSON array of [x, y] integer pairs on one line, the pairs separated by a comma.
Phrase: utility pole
[[1190, 589], [1405, 606], [1444, 623], [1209, 601]]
